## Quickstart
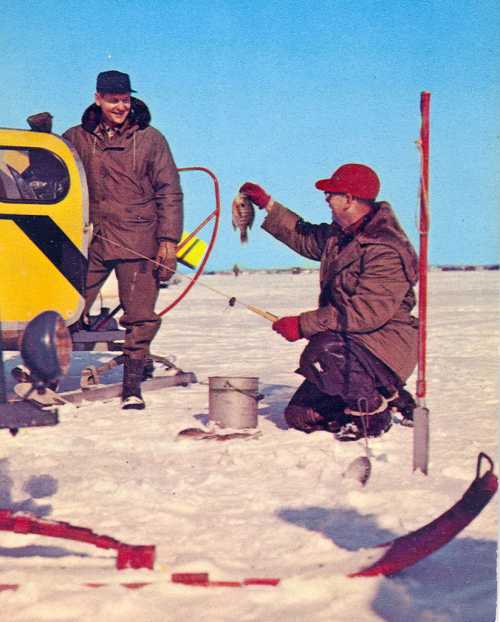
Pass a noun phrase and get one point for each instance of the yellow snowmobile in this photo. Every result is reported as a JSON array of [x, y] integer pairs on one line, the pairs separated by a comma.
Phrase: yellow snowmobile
[[44, 236]]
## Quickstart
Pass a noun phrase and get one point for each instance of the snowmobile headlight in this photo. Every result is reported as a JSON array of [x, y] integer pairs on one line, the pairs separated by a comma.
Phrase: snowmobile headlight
[[46, 347]]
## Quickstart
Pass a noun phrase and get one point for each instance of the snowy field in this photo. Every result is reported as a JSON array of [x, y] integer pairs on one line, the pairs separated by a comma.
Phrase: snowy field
[[276, 506]]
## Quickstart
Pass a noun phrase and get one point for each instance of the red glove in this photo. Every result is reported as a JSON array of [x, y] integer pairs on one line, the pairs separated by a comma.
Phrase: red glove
[[288, 327], [256, 194]]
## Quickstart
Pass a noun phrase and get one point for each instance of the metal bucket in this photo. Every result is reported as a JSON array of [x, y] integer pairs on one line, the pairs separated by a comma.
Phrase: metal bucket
[[232, 401]]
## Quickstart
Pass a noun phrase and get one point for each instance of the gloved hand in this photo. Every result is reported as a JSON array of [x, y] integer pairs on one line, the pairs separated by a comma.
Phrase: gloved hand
[[288, 327], [166, 256], [256, 194]]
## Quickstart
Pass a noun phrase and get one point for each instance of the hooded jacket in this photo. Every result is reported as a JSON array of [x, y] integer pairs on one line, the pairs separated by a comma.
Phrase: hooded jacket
[[134, 188], [366, 284]]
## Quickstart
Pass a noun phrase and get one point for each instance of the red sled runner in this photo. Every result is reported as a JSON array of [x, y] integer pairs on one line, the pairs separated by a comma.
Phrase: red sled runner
[[396, 555]]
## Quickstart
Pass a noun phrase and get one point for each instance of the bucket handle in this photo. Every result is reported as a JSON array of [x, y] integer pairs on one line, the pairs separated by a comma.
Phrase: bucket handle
[[256, 396]]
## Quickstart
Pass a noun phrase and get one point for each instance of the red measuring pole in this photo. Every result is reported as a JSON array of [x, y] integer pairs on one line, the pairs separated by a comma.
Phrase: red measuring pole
[[421, 413], [424, 243]]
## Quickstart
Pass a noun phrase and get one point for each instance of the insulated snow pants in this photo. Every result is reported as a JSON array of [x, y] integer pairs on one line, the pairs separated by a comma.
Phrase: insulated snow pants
[[339, 373], [137, 291]]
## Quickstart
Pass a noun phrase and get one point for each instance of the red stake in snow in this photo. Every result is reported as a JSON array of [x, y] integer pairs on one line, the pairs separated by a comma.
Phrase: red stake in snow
[[421, 413]]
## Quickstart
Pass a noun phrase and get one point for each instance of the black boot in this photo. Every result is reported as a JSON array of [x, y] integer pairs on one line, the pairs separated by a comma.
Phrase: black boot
[[149, 369], [132, 377], [405, 404], [374, 425]]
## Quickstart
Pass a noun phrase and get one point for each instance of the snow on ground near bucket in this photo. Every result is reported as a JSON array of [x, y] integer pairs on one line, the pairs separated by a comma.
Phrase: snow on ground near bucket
[[276, 506]]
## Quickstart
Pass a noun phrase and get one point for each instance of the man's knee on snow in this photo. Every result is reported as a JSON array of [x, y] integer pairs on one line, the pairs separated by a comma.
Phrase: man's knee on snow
[[303, 418]]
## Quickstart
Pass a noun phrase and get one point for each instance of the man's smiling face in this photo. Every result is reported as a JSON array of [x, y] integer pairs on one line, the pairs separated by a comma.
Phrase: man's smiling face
[[115, 107]]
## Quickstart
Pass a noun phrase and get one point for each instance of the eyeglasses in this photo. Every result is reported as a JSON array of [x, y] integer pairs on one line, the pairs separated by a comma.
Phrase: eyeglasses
[[329, 195]]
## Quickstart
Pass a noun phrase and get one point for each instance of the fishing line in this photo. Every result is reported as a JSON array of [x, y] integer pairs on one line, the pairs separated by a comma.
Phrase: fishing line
[[232, 300]]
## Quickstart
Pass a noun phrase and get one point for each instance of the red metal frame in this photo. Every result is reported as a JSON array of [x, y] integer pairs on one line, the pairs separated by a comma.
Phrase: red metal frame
[[215, 214], [396, 555], [424, 243], [128, 555]]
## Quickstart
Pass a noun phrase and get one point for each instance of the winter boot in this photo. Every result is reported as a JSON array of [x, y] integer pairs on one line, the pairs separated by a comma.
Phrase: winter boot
[[405, 404], [149, 369], [133, 370], [371, 425]]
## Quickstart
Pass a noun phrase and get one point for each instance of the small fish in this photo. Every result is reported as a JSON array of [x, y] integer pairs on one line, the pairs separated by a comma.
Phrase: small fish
[[198, 434], [243, 213], [360, 469]]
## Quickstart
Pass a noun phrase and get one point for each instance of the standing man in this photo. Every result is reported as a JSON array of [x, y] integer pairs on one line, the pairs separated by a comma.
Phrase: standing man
[[136, 206], [362, 337]]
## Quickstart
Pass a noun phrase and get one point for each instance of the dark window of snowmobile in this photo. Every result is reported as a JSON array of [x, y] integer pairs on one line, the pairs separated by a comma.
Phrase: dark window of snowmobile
[[32, 175]]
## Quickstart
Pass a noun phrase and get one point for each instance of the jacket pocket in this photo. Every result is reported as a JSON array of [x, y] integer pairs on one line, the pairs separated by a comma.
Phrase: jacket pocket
[[142, 212]]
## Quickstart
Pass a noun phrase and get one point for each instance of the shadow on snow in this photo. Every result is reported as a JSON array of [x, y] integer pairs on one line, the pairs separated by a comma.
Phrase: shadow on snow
[[456, 583], [36, 487]]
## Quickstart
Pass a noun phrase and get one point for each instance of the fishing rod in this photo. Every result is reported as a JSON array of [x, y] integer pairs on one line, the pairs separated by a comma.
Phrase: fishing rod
[[231, 299]]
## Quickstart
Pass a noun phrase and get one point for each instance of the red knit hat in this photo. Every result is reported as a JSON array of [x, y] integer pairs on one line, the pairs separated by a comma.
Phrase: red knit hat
[[356, 179]]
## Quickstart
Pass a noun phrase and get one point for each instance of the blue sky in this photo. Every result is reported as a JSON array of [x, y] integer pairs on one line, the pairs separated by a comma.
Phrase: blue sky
[[282, 93]]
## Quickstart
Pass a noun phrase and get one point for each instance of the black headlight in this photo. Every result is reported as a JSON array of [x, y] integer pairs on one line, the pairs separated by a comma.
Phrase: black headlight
[[46, 347]]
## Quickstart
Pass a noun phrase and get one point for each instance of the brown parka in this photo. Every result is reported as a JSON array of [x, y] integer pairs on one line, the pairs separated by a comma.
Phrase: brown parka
[[366, 287], [135, 194]]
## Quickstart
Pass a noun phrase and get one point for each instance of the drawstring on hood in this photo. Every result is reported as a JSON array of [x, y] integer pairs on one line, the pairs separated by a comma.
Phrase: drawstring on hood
[[133, 152]]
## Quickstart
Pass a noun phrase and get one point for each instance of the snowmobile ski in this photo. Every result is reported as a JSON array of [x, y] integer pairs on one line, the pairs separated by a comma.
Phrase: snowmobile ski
[[79, 397]]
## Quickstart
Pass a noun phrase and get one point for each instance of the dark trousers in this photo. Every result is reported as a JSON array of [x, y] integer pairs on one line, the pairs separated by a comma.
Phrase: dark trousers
[[137, 291], [339, 373], [340, 367]]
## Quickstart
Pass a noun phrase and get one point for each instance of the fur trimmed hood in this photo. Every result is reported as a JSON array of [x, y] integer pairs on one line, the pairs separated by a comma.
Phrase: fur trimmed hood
[[139, 116]]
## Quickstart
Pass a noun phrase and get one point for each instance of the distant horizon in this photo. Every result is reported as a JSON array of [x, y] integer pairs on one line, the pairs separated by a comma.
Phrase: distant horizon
[[458, 267]]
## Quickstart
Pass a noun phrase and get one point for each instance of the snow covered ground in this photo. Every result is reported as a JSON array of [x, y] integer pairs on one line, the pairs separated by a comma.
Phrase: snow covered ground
[[276, 506]]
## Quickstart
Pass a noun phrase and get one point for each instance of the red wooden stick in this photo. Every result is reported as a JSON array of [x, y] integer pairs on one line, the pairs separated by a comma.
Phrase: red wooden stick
[[424, 241], [421, 413]]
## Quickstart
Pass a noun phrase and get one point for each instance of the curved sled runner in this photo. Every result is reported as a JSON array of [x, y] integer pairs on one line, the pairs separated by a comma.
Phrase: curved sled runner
[[412, 547], [396, 555]]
